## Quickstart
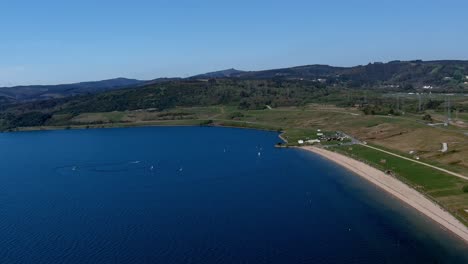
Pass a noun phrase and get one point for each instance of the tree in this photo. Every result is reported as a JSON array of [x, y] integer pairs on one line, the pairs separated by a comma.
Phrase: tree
[[458, 75], [465, 189], [427, 117]]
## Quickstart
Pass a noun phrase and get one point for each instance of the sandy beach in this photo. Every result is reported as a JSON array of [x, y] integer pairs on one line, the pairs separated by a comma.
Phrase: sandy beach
[[398, 189]]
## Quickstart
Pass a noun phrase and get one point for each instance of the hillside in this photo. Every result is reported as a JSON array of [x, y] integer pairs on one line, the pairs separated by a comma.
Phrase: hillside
[[448, 75], [41, 92], [219, 74]]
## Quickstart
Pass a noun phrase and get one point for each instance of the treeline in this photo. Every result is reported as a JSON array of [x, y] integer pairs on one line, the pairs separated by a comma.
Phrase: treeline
[[10, 121], [246, 94], [389, 106]]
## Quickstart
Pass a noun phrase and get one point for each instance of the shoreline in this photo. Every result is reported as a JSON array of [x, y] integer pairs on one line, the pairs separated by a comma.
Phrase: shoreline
[[132, 125], [398, 189], [97, 126]]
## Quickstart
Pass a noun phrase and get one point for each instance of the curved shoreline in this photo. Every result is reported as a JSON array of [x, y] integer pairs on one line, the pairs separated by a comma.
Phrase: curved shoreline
[[182, 123], [397, 189]]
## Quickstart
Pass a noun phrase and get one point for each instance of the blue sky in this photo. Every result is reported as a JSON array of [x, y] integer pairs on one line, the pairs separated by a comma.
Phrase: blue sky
[[52, 41]]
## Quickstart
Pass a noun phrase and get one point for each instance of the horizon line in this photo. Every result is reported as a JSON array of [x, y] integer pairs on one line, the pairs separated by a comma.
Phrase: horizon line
[[233, 68]]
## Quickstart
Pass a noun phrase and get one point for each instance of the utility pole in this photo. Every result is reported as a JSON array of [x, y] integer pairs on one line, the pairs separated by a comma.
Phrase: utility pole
[[398, 102], [449, 112], [403, 105], [447, 105], [420, 103]]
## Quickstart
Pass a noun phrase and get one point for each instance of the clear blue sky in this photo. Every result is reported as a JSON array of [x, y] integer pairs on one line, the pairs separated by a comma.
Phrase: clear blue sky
[[52, 41]]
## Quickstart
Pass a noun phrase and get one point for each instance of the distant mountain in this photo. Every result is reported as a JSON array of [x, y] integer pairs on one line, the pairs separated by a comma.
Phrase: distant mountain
[[442, 74], [37, 92], [219, 74], [446, 74], [158, 81], [308, 71]]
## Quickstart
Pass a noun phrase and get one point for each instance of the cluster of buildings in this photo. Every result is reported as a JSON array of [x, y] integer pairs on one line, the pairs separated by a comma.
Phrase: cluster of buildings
[[321, 137], [392, 86]]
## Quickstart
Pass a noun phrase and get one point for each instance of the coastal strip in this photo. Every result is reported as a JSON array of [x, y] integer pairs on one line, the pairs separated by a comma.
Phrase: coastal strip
[[419, 162], [397, 189]]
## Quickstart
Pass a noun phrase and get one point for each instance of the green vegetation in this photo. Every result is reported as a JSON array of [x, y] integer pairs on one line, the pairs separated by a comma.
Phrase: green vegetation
[[236, 115], [465, 189], [419, 175], [295, 134], [428, 118], [8, 120]]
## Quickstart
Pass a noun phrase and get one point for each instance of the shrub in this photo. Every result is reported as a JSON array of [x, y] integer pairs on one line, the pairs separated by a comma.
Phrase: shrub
[[465, 189], [206, 123], [427, 117], [236, 115]]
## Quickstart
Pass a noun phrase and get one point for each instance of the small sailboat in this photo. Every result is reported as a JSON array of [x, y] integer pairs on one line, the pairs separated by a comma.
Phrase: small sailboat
[[152, 167]]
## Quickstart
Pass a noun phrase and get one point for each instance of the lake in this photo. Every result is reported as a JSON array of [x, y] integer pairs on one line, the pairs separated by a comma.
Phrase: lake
[[197, 195]]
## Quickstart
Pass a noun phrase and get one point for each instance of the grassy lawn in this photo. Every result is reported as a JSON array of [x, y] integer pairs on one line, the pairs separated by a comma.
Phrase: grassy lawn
[[108, 117], [294, 134], [463, 116]]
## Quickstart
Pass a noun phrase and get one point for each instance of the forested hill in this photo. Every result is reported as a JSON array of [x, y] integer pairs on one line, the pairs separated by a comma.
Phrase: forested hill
[[38, 92], [406, 75], [438, 74]]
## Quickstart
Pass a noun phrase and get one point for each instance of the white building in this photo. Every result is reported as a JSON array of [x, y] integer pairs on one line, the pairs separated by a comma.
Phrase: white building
[[444, 147]]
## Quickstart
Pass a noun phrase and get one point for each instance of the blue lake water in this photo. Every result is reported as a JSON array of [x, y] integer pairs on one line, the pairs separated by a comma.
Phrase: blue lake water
[[197, 195]]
